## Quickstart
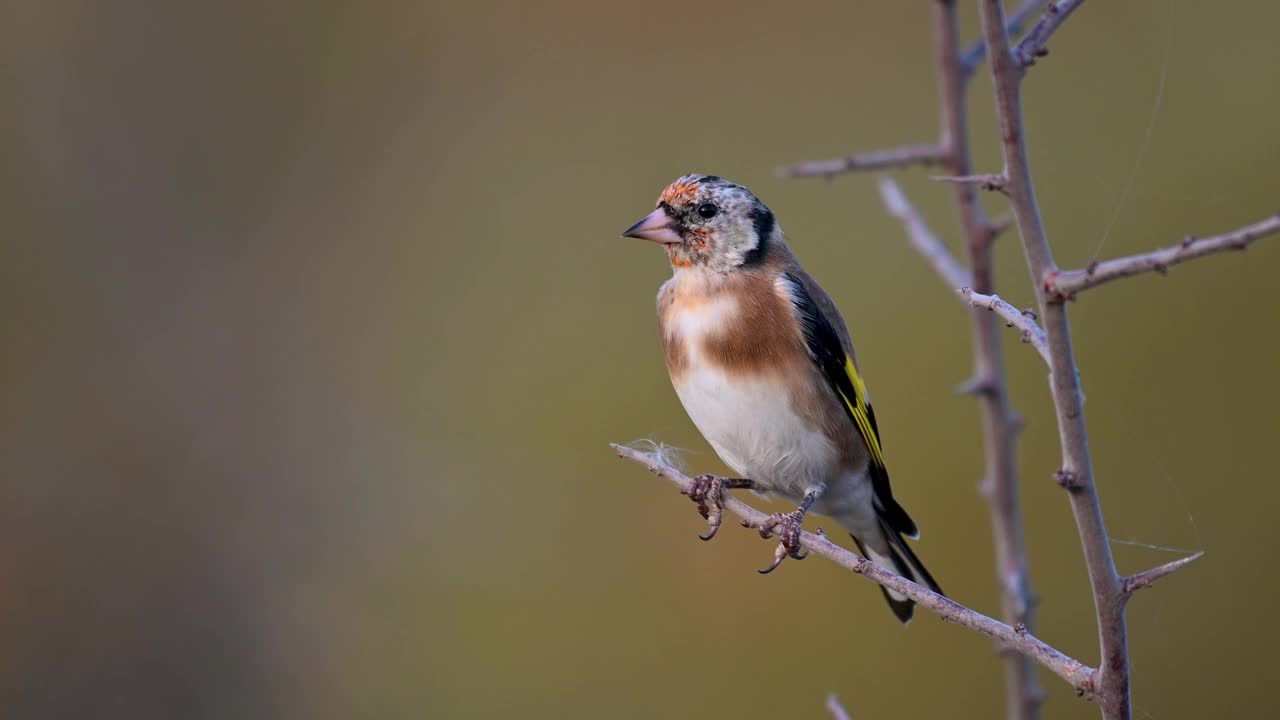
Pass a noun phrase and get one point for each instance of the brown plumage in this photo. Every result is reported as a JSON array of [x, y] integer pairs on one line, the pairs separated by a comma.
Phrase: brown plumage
[[761, 338]]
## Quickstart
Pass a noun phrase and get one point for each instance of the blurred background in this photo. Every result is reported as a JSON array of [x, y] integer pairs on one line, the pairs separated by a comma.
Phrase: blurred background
[[317, 325]]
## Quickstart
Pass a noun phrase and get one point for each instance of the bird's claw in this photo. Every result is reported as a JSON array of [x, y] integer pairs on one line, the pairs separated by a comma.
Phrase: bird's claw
[[707, 492], [788, 525]]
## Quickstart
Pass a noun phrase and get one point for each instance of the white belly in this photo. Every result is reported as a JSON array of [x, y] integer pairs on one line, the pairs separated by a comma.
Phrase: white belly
[[753, 428]]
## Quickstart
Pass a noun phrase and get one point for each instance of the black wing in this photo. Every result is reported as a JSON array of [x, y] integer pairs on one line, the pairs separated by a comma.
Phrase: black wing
[[836, 365]]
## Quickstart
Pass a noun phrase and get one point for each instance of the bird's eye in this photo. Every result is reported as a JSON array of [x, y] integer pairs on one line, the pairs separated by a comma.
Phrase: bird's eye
[[708, 210]]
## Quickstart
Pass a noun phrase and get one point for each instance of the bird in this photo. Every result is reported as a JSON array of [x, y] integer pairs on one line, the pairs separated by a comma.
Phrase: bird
[[763, 364]]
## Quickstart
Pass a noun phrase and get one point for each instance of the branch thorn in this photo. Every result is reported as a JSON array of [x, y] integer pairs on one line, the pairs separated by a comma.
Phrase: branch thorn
[[1067, 479], [975, 386], [1147, 578]]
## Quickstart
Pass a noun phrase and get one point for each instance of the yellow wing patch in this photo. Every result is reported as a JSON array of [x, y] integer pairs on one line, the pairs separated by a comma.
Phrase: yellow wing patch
[[858, 409]]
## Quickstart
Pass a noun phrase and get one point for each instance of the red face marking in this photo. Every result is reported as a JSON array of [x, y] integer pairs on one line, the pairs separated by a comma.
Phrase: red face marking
[[680, 193], [676, 260]]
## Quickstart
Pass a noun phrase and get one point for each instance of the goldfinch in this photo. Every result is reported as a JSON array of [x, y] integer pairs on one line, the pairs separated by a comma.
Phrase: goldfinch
[[762, 362]]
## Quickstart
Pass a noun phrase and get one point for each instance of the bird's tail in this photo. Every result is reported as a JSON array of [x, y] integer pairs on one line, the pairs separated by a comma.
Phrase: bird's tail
[[886, 547]]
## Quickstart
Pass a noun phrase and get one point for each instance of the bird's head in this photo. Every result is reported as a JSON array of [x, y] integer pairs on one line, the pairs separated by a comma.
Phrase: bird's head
[[706, 221]]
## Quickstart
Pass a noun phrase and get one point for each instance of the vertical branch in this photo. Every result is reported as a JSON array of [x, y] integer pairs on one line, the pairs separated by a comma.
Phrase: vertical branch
[[1023, 694], [1076, 473]]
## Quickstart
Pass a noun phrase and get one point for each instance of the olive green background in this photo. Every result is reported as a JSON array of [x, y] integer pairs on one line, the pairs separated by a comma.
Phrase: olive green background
[[317, 325]]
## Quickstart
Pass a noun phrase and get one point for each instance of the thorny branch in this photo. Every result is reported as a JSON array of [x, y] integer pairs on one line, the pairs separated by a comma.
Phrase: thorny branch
[[1064, 284], [1035, 44], [1016, 638], [991, 183], [999, 422], [877, 160], [1076, 473], [1000, 425], [972, 58], [1023, 320]]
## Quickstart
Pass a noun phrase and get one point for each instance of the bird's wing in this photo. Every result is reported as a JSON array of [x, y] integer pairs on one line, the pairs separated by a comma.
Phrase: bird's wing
[[832, 351]]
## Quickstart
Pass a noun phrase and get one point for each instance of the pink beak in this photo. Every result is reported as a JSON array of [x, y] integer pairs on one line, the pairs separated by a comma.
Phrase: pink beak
[[656, 226]]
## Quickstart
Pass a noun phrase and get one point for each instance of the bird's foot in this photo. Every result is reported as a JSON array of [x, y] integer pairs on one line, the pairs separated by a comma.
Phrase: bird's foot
[[707, 492], [788, 526]]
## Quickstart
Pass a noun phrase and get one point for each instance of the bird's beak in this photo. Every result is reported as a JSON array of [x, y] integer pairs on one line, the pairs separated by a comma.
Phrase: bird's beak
[[656, 226]]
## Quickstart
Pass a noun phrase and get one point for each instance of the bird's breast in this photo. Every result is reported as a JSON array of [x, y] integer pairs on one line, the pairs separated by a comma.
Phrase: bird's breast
[[747, 324], [745, 388], [694, 324], [753, 425]]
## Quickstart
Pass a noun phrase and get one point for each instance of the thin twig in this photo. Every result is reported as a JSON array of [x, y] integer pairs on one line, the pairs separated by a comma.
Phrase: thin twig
[[977, 52], [931, 154], [836, 709], [999, 224], [991, 182], [1147, 578], [1034, 44], [1066, 283], [1023, 320], [1075, 673], [1076, 473], [921, 237]]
